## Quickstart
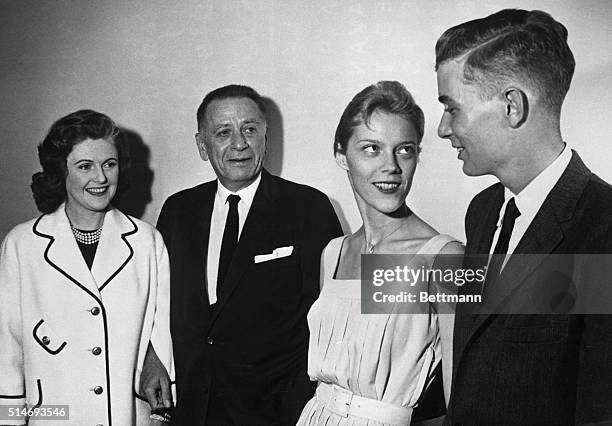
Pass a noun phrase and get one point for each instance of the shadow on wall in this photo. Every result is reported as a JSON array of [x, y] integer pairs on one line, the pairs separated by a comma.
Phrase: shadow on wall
[[274, 153], [134, 201]]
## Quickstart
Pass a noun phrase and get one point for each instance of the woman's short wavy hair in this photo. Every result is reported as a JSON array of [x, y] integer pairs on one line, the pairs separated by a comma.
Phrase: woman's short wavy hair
[[49, 186], [390, 97]]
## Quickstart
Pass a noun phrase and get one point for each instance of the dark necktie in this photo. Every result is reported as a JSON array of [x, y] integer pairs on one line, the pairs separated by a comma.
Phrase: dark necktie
[[501, 248], [230, 239]]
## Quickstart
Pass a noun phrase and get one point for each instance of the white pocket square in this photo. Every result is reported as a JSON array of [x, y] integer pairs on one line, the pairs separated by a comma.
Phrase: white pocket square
[[276, 254]]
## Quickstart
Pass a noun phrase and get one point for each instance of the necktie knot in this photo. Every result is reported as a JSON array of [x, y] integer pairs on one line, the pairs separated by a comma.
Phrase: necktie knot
[[233, 199], [501, 248], [512, 212], [510, 215]]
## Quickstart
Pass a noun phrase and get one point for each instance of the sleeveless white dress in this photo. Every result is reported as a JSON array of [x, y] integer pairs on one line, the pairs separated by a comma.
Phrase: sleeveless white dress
[[385, 357]]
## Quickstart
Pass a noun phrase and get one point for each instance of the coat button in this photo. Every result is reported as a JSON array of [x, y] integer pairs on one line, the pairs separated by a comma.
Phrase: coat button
[[210, 340], [46, 340], [98, 390], [95, 310], [96, 351]]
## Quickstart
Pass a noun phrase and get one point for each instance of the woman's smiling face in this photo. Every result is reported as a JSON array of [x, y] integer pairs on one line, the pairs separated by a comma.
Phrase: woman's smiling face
[[381, 159], [92, 176]]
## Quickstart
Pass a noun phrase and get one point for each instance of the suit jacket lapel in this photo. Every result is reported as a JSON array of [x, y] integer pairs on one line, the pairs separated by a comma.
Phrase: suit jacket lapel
[[479, 243], [258, 226], [483, 234], [199, 241], [480, 236], [544, 234], [114, 249], [542, 237], [62, 251]]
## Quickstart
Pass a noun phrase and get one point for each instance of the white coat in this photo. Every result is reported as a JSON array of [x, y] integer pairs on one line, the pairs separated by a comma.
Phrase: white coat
[[71, 336]]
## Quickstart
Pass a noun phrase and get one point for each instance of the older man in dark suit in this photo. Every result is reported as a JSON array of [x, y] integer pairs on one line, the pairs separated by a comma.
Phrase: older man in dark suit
[[244, 253], [502, 80]]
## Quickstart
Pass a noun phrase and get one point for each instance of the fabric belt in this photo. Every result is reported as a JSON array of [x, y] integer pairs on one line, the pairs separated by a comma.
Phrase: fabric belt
[[344, 403]]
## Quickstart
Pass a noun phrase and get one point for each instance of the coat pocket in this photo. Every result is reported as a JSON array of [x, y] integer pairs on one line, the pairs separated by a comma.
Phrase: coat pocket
[[44, 335], [35, 395]]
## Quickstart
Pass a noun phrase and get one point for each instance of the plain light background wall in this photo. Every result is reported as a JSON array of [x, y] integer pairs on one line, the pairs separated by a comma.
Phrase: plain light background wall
[[148, 64]]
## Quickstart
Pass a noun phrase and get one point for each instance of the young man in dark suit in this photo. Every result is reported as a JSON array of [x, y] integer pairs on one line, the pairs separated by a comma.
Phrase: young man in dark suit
[[244, 254], [502, 80]]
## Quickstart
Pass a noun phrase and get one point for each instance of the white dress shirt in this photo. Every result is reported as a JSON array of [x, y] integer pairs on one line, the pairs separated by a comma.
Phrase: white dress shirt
[[217, 226], [530, 199]]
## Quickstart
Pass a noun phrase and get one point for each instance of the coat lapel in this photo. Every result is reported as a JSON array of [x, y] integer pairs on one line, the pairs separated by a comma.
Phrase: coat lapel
[[199, 242], [258, 226], [483, 234], [62, 252], [114, 249], [542, 237], [480, 239]]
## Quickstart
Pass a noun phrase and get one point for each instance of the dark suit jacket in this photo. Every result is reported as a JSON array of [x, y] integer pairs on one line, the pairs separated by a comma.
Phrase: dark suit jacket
[[536, 369], [254, 344]]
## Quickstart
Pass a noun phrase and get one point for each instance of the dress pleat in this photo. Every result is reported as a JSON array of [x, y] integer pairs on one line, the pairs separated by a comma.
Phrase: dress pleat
[[388, 357]]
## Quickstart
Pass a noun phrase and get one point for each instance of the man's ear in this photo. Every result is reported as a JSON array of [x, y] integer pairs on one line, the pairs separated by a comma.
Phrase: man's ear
[[266, 143], [341, 160], [516, 103], [199, 138]]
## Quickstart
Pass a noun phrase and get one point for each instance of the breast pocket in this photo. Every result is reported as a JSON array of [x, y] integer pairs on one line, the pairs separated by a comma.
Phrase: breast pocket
[[290, 261], [278, 278], [282, 265], [270, 265], [47, 339]]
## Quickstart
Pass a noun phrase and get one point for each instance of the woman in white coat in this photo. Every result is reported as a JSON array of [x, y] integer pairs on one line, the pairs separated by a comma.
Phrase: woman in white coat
[[84, 288]]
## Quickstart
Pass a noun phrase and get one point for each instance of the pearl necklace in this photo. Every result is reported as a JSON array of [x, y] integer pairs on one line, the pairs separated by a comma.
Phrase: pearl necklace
[[86, 237]]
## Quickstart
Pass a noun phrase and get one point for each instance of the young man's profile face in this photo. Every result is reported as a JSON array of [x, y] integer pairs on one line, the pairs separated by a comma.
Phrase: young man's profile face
[[470, 122]]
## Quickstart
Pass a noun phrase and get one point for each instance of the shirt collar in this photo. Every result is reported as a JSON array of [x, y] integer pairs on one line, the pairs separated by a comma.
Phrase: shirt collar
[[246, 194], [531, 198]]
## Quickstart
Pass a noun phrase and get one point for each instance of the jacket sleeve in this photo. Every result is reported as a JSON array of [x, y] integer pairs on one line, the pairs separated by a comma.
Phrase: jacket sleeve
[[160, 336], [12, 388], [156, 321]]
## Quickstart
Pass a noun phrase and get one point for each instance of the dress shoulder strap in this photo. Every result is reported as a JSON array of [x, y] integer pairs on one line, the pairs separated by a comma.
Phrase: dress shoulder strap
[[435, 244], [331, 252], [432, 248]]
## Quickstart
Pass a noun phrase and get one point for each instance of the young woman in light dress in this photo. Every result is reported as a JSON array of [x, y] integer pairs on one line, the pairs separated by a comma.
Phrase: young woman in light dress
[[374, 369]]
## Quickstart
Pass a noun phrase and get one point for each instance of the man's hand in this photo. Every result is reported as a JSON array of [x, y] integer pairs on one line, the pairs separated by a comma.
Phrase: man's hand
[[155, 381]]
